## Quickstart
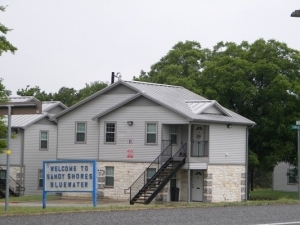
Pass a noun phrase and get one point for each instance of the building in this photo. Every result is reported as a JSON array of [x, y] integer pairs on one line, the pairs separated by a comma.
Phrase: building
[[163, 140], [34, 139], [283, 179]]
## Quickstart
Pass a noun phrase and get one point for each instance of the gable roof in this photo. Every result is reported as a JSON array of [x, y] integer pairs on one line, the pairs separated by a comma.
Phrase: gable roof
[[48, 105], [24, 121], [176, 98]]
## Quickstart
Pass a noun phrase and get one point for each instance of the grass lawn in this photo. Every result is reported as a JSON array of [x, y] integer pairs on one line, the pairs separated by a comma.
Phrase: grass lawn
[[269, 194], [257, 197]]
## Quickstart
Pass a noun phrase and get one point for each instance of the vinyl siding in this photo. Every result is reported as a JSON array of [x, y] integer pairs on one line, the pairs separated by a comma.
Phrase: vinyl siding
[[33, 157], [139, 115], [15, 147], [280, 179], [67, 148], [224, 140]]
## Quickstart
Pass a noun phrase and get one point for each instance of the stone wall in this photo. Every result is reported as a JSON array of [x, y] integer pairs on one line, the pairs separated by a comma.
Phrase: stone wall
[[227, 183], [124, 176]]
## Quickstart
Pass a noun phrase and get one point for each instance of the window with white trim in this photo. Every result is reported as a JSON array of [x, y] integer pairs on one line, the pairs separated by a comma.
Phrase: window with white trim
[[110, 132], [151, 133], [44, 140], [80, 132], [40, 179], [109, 176]]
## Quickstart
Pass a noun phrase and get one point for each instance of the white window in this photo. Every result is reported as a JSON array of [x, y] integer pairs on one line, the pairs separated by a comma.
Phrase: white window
[[109, 176], [110, 132], [44, 140], [151, 133], [80, 132], [173, 134], [40, 179]]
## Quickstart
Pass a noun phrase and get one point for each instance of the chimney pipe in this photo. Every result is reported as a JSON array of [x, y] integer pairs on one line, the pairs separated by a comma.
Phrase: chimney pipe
[[112, 77]]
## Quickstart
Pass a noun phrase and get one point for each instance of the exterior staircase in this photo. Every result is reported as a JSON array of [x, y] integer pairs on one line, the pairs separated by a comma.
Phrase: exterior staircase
[[15, 189], [167, 164]]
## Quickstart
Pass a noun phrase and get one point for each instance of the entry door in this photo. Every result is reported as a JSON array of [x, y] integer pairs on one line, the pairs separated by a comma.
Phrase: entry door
[[197, 185]]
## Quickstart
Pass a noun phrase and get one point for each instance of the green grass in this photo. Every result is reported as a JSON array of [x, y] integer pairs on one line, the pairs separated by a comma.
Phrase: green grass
[[268, 194], [258, 197], [34, 198]]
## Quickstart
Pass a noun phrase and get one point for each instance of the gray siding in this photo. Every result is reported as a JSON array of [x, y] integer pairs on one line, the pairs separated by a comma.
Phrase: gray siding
[[280, 179], [139, 115], [67, 149], [56, 110], [224, 140], [34, 157], [45, 121], [15, 147]]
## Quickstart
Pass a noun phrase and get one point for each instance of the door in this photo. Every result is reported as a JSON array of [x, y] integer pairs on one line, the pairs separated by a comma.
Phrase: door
[[197, 185]]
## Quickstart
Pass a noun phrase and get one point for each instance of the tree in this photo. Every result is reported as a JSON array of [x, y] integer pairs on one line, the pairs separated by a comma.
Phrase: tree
[[90, 89], [36, 92], [181, 66], [3, 128], [5, 45], [68, 96], [259, 81]]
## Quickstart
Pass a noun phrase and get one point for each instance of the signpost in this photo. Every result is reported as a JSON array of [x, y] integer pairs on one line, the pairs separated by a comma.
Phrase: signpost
[[32, 106], [297, 127]]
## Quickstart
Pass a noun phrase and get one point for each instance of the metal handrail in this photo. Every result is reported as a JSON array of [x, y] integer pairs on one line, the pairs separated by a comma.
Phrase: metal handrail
[[167, 152], [141, 180]]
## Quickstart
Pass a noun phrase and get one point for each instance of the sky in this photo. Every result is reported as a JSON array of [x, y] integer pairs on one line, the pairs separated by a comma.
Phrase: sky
[[72, 43]]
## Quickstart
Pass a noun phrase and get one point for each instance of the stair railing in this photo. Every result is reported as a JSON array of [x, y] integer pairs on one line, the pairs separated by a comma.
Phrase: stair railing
[[156, 164], [14, 186]]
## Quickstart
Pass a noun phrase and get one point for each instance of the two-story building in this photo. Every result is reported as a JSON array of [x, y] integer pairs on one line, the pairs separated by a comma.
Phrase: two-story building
[[34, 139], [151, 138]]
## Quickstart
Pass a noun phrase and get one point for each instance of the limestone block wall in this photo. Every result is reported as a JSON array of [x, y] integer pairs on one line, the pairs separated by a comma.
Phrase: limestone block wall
[[124, 176], [227, 183], [182, 184], [15, 173]]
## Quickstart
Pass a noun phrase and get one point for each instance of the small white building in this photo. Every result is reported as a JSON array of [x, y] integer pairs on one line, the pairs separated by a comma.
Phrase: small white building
[[155, 141], [282, 179]]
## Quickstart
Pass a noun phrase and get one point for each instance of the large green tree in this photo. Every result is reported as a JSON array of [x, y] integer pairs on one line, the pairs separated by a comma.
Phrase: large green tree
[[5, 45], [68, 96], [259, 81]]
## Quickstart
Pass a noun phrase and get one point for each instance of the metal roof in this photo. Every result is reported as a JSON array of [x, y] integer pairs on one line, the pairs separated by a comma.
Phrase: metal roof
[[24, 121], [177, 97], [21, 99], [48, 105], [183, 102]]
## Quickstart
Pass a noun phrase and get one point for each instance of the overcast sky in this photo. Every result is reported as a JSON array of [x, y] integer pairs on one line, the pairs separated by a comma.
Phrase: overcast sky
[[73, 42]]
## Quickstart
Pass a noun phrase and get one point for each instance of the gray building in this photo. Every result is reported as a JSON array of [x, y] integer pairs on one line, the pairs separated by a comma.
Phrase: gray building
[[155, 141], [34, 139]]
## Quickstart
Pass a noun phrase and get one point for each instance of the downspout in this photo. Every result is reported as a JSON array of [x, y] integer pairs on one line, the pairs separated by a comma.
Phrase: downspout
[[188, 158], [246, 172], [22, 177]]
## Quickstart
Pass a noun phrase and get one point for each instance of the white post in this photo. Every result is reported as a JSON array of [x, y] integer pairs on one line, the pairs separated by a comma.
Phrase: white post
[[7, 161]]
